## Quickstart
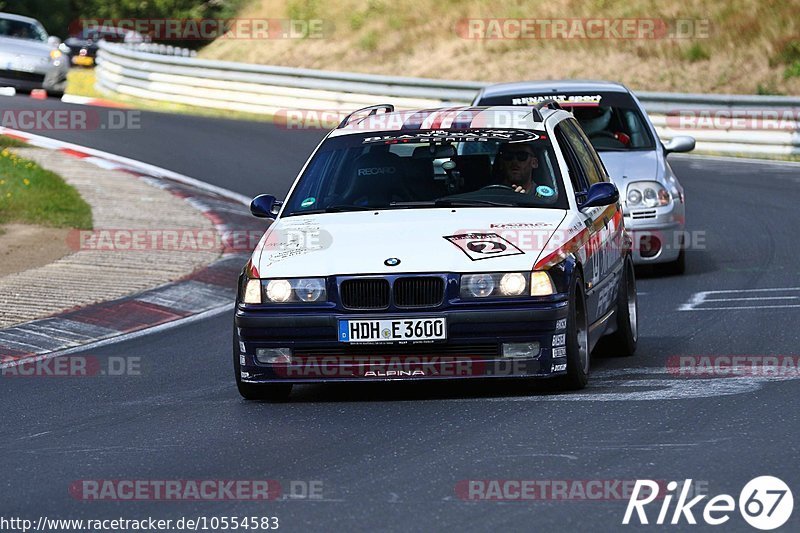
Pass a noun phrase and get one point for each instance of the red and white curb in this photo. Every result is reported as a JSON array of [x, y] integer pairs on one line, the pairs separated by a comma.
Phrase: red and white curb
[[205, 292]]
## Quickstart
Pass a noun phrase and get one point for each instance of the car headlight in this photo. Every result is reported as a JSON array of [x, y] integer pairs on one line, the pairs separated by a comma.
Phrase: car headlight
[[252, 291], [308, 290], [278, 290], [293, 290], [55, 54], [647, 194], [506, 285], [541, 284]]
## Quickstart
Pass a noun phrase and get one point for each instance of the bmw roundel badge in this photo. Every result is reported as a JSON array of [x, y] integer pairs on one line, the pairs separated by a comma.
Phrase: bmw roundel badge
[[392, 262]]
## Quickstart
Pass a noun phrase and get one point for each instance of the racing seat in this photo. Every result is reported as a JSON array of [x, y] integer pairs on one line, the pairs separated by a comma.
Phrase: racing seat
[[421, 176], [476, 171], [377, 180]]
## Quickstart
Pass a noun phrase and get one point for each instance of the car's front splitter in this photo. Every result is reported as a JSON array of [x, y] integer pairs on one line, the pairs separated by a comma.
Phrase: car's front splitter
[[478, 346]]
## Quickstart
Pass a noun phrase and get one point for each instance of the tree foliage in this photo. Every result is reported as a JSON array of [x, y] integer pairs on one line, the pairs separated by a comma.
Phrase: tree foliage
[[59, 15]]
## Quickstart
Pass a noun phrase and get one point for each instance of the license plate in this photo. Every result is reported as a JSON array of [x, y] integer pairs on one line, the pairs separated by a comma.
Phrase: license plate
[[392, 330], [83, 61]]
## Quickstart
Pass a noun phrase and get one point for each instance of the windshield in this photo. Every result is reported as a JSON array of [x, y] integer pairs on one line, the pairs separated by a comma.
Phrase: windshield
[[433, 168], [19, 29], [612, 121]]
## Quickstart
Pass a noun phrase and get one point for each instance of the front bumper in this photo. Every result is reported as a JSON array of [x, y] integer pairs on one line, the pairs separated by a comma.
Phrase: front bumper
[[661, 227], [473, 348], [21, 80]]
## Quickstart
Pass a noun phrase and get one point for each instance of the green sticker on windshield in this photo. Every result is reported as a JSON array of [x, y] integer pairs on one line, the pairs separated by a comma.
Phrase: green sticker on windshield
[[308, 202]]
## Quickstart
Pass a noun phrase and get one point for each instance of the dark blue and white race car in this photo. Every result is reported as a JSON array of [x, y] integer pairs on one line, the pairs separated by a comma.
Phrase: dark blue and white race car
[[438, 244]]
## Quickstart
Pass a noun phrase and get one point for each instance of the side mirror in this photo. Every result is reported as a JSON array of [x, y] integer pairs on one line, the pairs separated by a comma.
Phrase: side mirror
[[681, 143], [600, 194], [265, 206], [53, 41]]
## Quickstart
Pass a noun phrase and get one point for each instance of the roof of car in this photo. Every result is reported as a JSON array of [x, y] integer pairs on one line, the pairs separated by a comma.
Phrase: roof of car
[[12, 16], [464, 117], [555, 86]]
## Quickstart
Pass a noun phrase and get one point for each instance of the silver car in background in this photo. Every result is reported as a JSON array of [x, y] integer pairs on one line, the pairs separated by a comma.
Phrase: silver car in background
[[29, 58], [621, 132]]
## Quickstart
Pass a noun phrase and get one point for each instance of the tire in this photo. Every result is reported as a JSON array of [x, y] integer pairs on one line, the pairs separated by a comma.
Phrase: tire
[[578, 354], [622, 343], [266, 392]]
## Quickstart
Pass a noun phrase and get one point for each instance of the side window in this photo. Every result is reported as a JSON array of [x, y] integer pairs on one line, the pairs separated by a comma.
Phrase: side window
[[576, 172], [595, 172]]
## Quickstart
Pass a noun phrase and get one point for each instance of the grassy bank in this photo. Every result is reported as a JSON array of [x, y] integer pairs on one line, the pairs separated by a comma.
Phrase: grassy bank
[[33, 195], [738, 46]]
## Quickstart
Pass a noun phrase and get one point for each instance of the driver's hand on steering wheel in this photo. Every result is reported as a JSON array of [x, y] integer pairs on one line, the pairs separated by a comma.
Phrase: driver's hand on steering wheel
[[519, 189]]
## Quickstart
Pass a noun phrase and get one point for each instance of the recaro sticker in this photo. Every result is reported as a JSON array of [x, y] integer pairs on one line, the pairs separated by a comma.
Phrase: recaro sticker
[[479, 246]]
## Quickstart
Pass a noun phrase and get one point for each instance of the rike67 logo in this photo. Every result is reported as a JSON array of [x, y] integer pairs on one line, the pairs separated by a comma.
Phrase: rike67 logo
[[765, 503]]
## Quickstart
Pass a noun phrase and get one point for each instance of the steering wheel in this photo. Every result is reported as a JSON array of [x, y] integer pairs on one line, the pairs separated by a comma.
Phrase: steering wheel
[[498, 186]]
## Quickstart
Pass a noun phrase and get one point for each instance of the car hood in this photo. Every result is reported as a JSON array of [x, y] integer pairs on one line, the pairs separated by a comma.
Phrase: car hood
[[631, 166], [11, 46], [424, 240]]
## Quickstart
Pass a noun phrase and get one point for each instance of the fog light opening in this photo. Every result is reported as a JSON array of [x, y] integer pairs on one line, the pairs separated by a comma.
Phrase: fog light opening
[[649, 246], [271, 356], [521, 349]]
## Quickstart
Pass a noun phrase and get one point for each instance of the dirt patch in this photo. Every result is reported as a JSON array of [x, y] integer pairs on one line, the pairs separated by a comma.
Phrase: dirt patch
[[24, 246]]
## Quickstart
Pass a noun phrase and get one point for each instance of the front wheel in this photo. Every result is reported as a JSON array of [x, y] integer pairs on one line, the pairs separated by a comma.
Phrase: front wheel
[[266, 392], [578, 356]]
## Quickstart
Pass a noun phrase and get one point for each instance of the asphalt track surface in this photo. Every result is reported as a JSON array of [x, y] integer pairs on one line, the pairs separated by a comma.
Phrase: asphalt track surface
[[390, 456]]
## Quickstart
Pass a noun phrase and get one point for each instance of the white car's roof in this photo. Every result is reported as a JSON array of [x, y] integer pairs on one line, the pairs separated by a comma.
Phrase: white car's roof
[[464, 117]]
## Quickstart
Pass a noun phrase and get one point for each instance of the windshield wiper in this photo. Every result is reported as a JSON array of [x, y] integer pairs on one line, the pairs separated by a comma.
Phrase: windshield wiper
[[444, 202], [342, 207], [333, 209]]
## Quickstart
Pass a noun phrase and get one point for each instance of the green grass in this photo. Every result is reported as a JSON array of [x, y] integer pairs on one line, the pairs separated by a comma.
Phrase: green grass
[[33, 195], [8, 142]]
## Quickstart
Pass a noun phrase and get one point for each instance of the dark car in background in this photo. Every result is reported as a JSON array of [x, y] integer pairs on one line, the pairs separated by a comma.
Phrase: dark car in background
[[82, 47]]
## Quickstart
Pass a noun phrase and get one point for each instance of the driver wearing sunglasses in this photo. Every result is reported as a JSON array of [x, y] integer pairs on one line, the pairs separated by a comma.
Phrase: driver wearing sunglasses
[[515, 164]]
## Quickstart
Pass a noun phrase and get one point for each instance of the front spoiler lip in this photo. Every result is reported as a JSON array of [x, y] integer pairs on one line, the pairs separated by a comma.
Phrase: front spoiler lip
[[360, 379]]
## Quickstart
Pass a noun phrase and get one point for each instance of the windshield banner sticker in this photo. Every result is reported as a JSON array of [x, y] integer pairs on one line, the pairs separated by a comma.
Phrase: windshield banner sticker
[[442, 136], [479, 246], [572, 100]]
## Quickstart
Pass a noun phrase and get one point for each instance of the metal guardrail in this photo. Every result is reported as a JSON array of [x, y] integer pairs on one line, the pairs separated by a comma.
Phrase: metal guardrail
[[155, 72]]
